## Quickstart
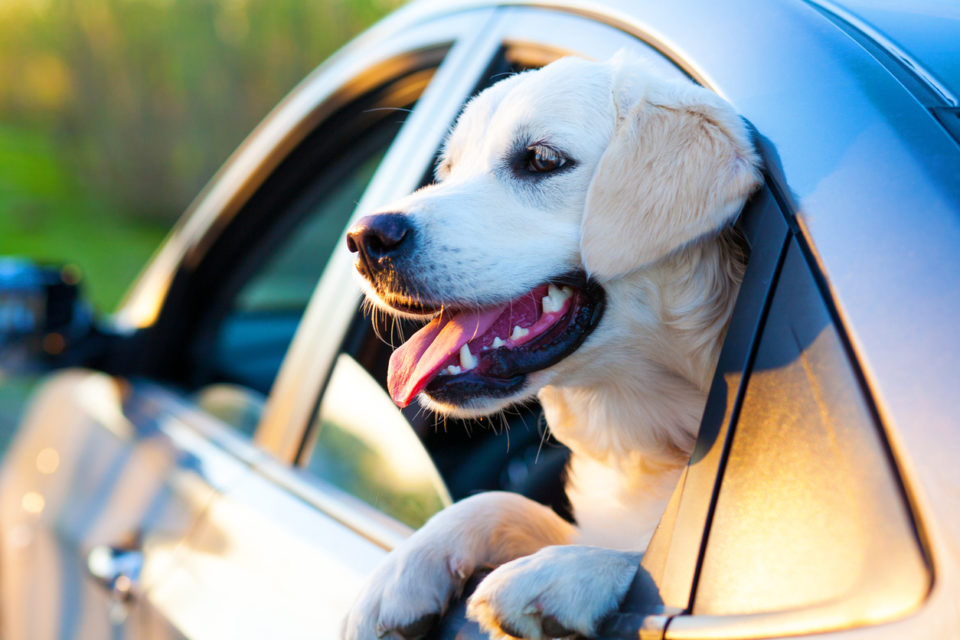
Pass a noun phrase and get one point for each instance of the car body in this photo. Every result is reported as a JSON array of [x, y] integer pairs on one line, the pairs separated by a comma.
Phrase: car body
[[228, 465]]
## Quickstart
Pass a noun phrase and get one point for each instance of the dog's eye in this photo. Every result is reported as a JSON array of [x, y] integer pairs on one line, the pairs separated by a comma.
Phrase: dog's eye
[[542, 159]]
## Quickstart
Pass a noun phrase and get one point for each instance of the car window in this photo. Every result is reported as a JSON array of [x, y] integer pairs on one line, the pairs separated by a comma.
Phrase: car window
[[253, 287], [251, 329], [810, 512], [249, 344], [365, 446]]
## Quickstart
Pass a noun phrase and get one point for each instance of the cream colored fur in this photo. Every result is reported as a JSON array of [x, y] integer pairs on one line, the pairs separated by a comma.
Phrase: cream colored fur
[[661, 169]]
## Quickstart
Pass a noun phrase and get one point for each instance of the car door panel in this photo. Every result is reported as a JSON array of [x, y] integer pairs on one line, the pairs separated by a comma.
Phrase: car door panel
[[108, 475], [266, 562]]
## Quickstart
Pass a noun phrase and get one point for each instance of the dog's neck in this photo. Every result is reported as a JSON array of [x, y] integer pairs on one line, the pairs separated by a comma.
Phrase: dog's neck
[[644, 406]]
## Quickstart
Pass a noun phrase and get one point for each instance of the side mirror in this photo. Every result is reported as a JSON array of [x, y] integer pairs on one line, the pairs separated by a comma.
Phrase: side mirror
[[44, 321]]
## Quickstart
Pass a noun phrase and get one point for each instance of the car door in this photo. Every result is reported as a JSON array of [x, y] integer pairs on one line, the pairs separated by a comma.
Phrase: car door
[[689, 563]]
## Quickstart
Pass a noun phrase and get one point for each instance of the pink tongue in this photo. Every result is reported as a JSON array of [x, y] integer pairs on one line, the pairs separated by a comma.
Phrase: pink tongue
[[416, 360]]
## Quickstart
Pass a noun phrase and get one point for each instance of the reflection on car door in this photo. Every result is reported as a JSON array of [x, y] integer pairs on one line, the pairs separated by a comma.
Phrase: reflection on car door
[[93, 486]]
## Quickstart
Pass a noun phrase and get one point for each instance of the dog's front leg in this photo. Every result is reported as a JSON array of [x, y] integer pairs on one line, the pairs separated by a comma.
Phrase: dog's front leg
[[558, 591], [411, 589]]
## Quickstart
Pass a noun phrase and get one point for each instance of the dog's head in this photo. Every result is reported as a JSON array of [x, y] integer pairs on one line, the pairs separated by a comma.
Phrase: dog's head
[[553, 185]]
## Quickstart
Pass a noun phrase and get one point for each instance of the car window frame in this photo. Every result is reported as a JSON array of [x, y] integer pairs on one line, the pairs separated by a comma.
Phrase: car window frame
[[311, 355]]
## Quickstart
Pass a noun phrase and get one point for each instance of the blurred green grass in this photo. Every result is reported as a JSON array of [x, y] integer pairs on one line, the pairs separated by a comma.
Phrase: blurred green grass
[[51, 215]]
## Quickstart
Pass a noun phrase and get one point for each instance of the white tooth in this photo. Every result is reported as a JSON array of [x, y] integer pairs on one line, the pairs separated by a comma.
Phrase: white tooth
[[518, 332], [549, 305], [555, 298], [453, 370], [498, 342], [467, 361]]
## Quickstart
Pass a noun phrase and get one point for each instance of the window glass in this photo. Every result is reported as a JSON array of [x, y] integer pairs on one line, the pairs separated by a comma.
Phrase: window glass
[[226, 333], [810, 511], [365, 446], [287, 279], [252, 339]]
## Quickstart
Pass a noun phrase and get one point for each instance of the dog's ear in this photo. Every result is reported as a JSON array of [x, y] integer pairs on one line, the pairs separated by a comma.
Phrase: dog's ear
[[679, 166]]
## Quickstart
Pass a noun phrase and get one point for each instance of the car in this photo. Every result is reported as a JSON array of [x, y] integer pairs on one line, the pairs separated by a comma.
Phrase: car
[[219, 458]]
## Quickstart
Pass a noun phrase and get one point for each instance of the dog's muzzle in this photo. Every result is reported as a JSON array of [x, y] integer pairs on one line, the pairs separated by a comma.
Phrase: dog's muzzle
[[386, 248], [380, 240]]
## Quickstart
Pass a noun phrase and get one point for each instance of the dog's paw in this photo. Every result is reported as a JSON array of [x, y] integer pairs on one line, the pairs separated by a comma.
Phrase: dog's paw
[[557, 592], [411, 589], [407, 594]]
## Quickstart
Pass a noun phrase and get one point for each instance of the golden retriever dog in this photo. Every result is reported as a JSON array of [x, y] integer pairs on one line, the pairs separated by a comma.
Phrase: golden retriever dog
[[575, 247]]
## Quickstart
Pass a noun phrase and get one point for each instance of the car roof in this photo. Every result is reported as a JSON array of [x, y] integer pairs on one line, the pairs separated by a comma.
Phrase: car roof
[[924, 33]]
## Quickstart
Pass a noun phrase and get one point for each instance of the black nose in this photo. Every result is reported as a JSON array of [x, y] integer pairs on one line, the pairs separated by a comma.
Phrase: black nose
[[379, 236]]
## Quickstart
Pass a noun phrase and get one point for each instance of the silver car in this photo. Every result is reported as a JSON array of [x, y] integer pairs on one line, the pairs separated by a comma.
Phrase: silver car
[[220, 459]]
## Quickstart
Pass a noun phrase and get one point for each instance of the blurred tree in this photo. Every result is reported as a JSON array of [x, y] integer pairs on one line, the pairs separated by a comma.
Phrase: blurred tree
[[114, 113], [150, 96]]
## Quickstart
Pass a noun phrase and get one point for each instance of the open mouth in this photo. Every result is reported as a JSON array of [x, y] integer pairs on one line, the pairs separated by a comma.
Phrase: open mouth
[[467, 353]]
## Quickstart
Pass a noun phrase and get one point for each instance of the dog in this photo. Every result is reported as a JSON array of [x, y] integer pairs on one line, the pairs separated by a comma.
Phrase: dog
[[577, 246]]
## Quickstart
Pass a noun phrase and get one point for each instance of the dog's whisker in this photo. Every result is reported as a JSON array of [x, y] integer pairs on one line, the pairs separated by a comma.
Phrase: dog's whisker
[[503, 74], [375, 319], [396, 330], [505, 428], [400, 109], [544, 434]]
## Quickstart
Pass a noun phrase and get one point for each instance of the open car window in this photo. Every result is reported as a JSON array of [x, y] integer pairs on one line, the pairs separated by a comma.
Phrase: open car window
[[229, 320], [251, 339]]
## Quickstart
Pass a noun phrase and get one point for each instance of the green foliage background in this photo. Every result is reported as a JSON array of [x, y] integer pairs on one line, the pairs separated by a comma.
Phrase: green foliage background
[[114, 113]]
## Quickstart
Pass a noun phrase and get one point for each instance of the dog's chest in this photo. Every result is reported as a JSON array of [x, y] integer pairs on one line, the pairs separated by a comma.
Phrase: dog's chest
[[617, 507]]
